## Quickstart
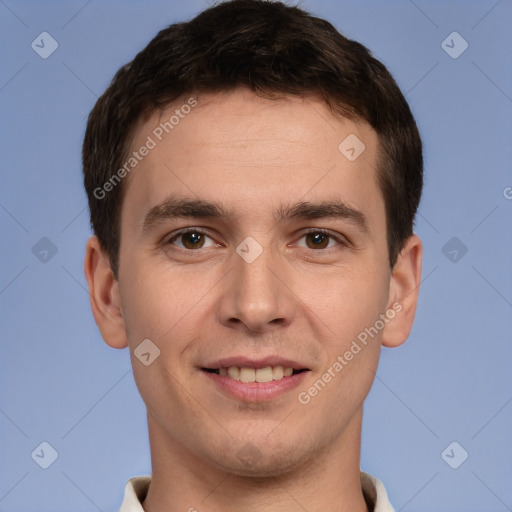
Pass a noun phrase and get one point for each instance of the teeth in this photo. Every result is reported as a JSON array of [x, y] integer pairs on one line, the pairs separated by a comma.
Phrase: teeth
[[234, 372], [247, 374], [266, 374], [287, 372], [277, 372]]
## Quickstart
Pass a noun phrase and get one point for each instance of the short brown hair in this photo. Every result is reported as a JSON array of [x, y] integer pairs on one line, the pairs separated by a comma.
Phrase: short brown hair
[[272, 49]]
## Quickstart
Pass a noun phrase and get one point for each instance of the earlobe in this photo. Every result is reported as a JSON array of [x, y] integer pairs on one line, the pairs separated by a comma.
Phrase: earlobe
[[104, 295], [403, 292]]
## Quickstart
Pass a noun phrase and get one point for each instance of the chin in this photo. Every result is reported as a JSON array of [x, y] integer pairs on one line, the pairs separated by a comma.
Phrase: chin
[[262, 463]]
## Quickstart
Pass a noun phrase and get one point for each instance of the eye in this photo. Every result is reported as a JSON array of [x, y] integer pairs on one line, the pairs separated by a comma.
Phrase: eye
[[191, 239], [321, 239]]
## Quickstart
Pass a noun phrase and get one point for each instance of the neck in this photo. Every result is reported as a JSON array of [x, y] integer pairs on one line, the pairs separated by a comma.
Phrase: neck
[[327, 480]]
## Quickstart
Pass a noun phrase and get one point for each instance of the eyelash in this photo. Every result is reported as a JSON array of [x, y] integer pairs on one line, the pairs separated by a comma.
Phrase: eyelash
[[339, 239]]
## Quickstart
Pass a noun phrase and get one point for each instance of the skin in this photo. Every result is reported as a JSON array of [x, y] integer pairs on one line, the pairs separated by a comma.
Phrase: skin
[[295, 300]]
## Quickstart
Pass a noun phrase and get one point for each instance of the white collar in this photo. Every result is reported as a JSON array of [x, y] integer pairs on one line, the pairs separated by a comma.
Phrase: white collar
[[137, 488]]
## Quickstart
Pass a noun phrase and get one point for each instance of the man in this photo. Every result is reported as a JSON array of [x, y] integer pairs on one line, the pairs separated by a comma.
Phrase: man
[[253, 178]]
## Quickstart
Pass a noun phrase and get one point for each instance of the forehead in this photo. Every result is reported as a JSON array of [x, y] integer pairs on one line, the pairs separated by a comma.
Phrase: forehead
[[255, 153]]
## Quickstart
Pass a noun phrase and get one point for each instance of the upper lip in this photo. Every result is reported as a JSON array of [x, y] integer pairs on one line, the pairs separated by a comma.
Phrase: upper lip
[[246, 362]]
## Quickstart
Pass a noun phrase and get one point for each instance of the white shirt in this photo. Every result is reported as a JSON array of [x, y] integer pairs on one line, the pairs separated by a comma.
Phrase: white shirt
[[136, 489]]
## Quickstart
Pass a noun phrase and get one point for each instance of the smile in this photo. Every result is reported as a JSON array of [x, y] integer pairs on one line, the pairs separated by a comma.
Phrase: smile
[[247, 384], [244, 374]]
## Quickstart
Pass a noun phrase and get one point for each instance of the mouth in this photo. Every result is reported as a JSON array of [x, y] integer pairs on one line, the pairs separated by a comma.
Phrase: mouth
[[250, 379], [257, 383], [261, 375]]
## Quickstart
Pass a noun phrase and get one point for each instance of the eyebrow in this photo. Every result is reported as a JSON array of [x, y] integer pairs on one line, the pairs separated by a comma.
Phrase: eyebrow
[[175, 207]]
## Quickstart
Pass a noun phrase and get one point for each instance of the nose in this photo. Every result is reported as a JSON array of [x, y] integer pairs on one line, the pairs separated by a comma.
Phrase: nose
[[257, 295]]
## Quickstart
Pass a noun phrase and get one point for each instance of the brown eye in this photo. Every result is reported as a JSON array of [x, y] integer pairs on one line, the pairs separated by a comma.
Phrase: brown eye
[[317, 240], [191, 239]]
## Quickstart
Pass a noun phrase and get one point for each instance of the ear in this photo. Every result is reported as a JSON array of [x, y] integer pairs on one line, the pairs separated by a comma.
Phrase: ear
[[403, 293], [104, 295]]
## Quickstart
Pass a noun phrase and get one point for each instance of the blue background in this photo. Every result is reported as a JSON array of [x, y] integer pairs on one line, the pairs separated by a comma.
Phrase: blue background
[[450, 382]]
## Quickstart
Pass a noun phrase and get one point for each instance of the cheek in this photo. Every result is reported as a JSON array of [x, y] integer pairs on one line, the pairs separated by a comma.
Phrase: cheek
[[161, 388], [349, 308], [155, 300], [346, 300]]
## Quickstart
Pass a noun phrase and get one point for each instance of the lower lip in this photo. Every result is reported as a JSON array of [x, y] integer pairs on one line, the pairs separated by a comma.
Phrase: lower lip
[[256, 391]]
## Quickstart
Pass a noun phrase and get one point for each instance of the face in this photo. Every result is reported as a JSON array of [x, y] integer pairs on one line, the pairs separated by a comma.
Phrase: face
[[250, 240]]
